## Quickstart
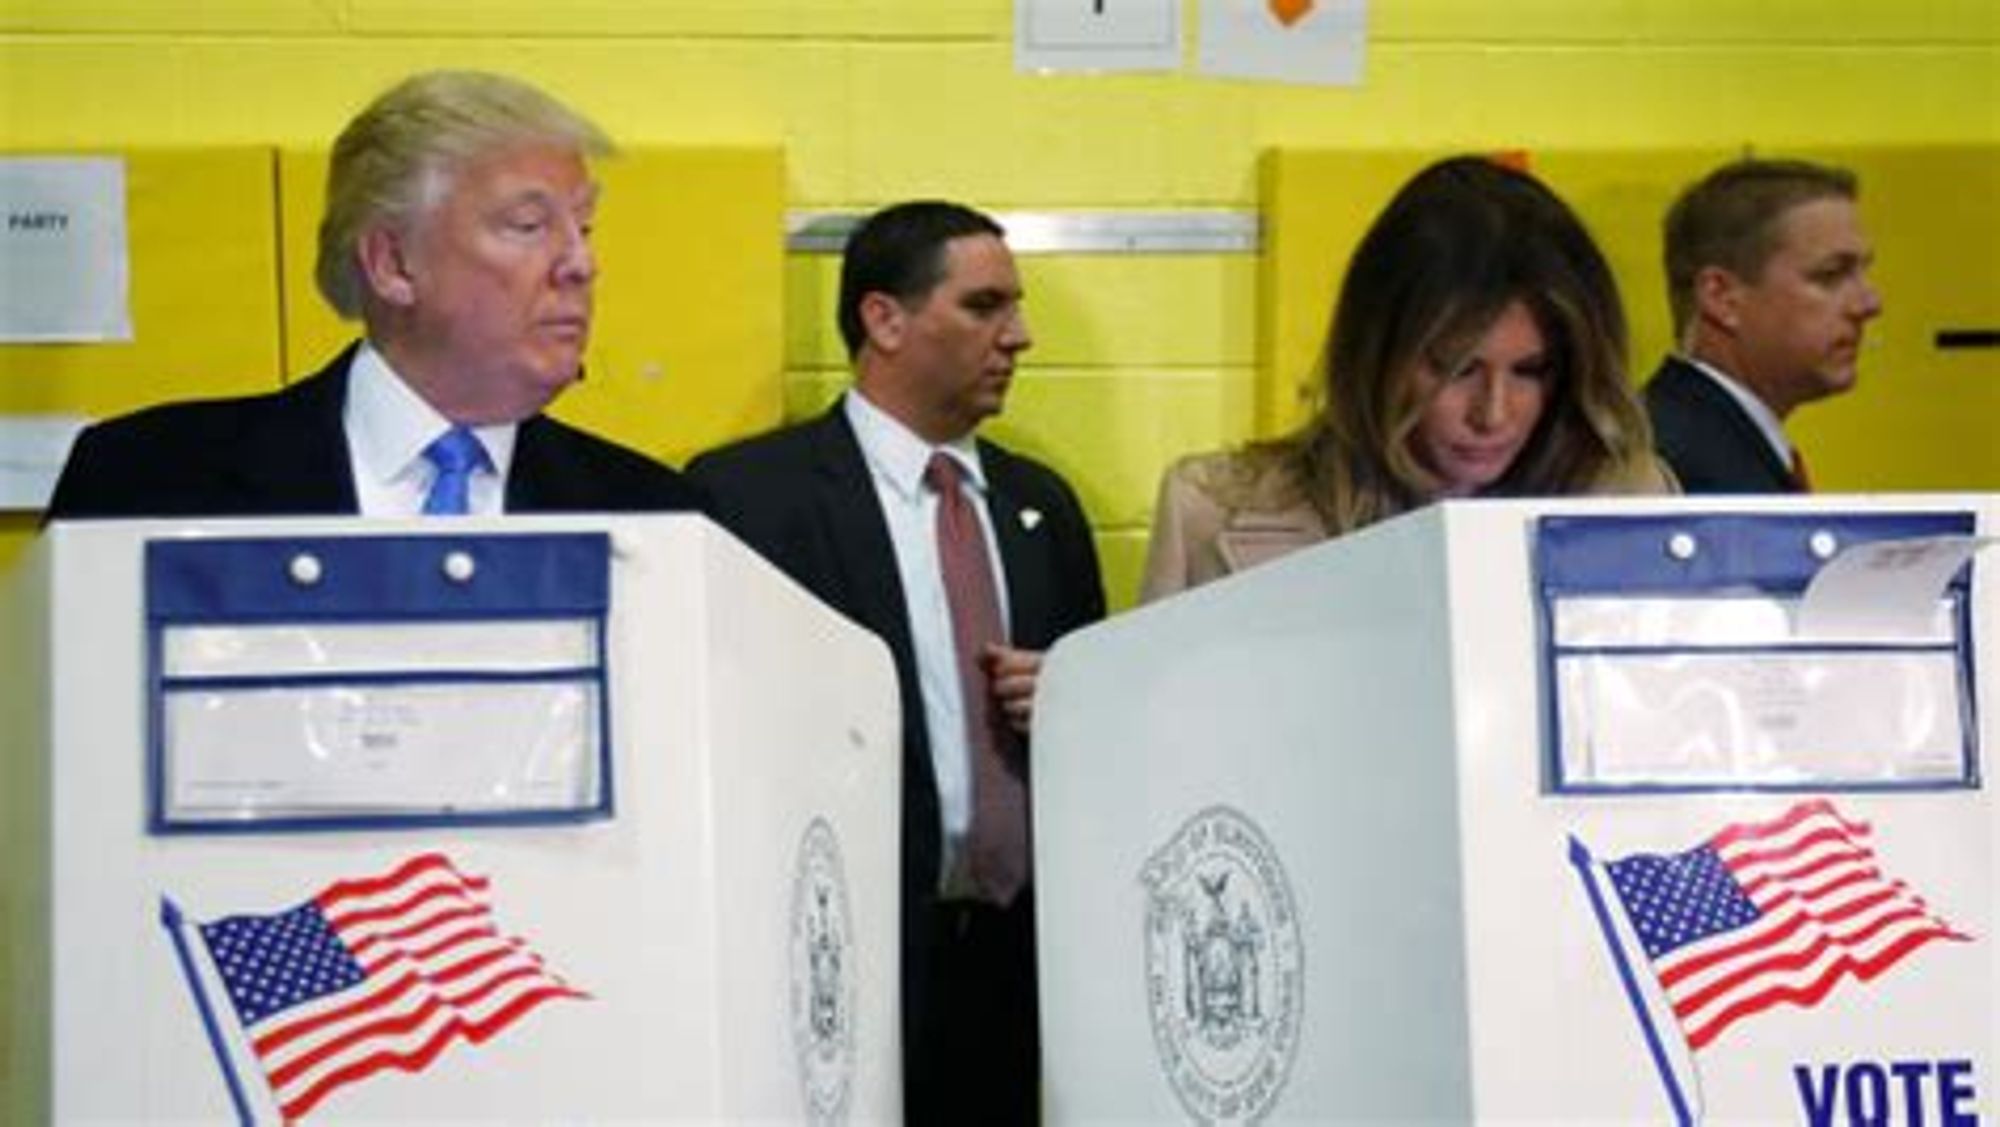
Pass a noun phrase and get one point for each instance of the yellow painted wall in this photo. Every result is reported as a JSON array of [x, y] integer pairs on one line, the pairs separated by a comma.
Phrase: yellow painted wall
[[872, 100], [1139, 358]]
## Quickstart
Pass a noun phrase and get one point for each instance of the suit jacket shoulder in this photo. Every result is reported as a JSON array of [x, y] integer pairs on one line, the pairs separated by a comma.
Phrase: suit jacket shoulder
[[558, 468], [742, 471], [284, 453], [275, 454], [1705, 437], [803, 498]]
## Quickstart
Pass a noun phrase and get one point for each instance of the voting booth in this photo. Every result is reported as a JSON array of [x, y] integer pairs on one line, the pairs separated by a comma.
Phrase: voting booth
[[1580, 811], [521, 820]]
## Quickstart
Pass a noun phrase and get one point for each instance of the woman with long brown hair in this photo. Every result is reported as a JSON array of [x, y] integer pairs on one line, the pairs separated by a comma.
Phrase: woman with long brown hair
[[1478, 348]]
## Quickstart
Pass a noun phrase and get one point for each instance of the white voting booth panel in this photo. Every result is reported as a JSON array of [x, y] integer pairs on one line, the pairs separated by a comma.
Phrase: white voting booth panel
[[710, 935], [1304, 854]]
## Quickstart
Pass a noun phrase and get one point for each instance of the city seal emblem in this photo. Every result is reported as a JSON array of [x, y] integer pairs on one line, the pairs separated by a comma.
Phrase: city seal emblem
[[822, 977], [1225, 970]]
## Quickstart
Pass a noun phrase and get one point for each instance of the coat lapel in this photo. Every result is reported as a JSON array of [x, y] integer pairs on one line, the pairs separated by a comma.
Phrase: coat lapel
[[1251, 538], [538, 480], [1744, 436], [858, 534], [297, 459], [1023, 533]]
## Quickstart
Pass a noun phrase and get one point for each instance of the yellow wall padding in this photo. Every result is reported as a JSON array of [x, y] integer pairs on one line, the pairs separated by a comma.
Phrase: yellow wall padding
[[687, 347], [1922, 417], [202, 228], [1316, 204]]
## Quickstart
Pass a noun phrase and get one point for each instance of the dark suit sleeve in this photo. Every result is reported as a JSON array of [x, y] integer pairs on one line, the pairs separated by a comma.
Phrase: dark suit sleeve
[[1081, 578]]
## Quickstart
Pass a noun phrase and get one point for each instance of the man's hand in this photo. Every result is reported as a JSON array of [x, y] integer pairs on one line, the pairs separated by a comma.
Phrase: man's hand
[[1012, 674]]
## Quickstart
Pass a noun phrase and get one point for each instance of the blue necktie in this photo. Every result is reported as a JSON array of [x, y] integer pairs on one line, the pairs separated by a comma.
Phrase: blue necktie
[[457, 454]]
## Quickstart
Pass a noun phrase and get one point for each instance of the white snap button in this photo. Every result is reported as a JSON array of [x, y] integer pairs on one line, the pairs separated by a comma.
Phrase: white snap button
[[1823, 544], [1682, 546], [305, 569], [458, 567]]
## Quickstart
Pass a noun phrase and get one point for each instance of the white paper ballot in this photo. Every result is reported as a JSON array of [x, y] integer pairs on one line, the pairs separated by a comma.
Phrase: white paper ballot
[[1884, 589], [64, 263]]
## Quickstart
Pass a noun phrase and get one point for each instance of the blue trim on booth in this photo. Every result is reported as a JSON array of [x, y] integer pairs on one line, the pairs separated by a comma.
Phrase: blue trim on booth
[[377, 578], [237, 683]]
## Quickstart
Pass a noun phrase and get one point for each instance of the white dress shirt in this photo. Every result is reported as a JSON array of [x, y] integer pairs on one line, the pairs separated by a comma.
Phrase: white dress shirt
[[388, 425], [1768, 423], [896, 459]]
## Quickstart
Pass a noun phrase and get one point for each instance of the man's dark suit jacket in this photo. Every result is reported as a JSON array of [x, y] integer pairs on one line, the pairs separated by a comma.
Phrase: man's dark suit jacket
[[285, 454], [804, 498], [1707, 439]]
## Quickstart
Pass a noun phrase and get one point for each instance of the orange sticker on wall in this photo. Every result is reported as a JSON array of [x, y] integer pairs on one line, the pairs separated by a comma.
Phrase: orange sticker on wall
[[1289, 12], [1320, 42]]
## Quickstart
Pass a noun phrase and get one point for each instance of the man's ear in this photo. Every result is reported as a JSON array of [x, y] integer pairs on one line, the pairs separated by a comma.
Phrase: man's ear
[[885, 320], [385, 265], [1717, 296]]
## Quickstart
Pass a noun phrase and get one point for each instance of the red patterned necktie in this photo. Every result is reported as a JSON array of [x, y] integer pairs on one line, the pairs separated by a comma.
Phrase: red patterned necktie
[[997, 843], [1800, 478]]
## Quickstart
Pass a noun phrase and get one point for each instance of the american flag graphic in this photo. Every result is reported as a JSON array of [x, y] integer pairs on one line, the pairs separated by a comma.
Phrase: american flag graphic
[[1768, 913], [371, 974]]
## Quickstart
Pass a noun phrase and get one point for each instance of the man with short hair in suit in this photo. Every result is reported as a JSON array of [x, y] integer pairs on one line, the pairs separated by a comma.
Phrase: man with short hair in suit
[[1767, 272], [855, 505], [457, 229]]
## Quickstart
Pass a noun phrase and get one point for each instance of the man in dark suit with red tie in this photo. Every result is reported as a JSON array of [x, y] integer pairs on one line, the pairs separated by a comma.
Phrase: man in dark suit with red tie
[[968, 560], [458, 216], [1767, 271]]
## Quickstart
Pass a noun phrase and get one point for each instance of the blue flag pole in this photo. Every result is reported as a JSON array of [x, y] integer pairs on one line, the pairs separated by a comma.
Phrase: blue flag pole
[[1579, 856], [171, 919]]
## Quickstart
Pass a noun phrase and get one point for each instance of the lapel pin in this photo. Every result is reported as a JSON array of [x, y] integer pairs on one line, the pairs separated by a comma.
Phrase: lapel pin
[[1031, 519]]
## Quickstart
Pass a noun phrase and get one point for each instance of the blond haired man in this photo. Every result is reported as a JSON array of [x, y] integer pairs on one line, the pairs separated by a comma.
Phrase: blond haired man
[[1767, 272], [457, 230]]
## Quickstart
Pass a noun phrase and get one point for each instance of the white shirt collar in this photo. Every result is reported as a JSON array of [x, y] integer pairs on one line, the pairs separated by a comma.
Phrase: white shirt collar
[[1768, 423], [388, 425], [897, 454]]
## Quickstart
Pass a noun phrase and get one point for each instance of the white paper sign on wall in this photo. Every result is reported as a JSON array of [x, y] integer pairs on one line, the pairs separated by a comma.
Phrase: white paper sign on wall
[[1097, 35], [64, 266]]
